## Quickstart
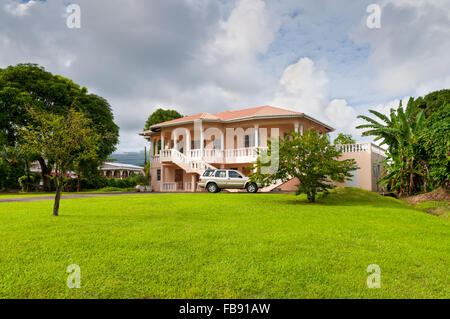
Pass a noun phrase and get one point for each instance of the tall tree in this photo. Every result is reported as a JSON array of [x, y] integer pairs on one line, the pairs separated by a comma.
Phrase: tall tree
[[160, 116], [28, 85], [64, 139], [343, 139], [400, 131], [309, 157]]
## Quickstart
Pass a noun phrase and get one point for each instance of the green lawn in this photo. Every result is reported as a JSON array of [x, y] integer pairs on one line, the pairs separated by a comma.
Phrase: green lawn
[[224, 246], [106, 190]]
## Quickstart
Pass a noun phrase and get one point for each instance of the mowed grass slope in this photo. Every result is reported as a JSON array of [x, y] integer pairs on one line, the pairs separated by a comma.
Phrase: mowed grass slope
[[223, 246]]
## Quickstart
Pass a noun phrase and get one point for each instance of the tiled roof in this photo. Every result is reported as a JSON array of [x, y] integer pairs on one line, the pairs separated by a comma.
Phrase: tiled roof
[[261, 111], [255, 112]]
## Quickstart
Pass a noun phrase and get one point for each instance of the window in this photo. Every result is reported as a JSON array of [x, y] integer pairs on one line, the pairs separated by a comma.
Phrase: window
[[158, 175], [208, 172], [234, 174], [221, 174], [247, 141]]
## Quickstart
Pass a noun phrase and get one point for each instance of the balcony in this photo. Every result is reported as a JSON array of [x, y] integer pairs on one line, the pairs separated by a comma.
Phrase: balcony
[[362, 147], [215, 156]]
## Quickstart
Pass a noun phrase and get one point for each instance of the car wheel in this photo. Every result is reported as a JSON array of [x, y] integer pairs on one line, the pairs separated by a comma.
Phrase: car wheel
[[212, 188], [252, 188]]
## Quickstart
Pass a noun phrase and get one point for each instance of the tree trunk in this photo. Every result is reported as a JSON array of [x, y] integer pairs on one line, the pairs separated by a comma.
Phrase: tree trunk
[[59, 183], [313, 197], [411, 176], [78, 184], [27, 168], [45, 174]]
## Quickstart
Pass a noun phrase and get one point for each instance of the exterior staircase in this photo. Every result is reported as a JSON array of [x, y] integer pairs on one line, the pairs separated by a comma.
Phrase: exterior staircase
[[271, 187], [189, 165]]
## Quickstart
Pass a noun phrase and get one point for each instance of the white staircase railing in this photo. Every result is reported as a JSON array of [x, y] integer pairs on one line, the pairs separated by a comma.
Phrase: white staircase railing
[[273, 186], [198, 160], [189, 165]]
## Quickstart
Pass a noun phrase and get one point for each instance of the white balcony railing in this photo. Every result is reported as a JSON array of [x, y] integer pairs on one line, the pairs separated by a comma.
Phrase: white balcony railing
[[198, 160], [353, 148], [169, 187], [361, 147], [195, 158]]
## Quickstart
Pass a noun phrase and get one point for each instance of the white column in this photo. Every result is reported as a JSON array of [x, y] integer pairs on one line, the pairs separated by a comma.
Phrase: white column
[[256, 135], [222, 141], [162, 141], [193, 183], [202, 141], [188, 143], [162, 178], [296, 127], [174, 137], [301, 129], [150, 150]]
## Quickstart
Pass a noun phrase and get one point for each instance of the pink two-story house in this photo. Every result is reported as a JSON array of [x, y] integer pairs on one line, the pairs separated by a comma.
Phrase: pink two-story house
[[182, 149]]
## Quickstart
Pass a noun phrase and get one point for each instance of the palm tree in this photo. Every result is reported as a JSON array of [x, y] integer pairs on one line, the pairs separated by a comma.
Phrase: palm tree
[[399, 132]]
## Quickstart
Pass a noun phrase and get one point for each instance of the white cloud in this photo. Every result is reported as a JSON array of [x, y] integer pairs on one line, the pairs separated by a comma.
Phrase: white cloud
[[411, 47], [19, 9], [304, 87], [249, 30], [340, 114]]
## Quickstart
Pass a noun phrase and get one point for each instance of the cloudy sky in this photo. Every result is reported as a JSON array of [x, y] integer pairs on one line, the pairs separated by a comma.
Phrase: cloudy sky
[[314, 56]]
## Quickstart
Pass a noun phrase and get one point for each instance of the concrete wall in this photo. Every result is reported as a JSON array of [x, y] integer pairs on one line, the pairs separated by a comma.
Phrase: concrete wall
[[365, 161]]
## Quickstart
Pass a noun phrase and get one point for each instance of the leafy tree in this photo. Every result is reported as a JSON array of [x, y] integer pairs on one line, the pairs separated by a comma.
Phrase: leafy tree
[[433, 102], [160, 116], [343, 139], [433, 147], [309, 157], [18, 161], [63, 139], [28, 85], [418, 143]]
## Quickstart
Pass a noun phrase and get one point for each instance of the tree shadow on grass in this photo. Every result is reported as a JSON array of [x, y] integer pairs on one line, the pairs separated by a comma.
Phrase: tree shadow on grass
[[350, 196]]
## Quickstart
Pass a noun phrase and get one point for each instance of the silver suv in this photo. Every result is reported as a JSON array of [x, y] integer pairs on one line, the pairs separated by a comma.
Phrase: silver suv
[[216, 180]]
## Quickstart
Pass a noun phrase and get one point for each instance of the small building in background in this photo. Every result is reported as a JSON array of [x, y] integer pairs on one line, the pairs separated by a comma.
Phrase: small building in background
[[120, 170]]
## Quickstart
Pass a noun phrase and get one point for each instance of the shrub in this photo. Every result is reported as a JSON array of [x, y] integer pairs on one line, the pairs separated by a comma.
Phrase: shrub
[[96, 182], [35, 180]]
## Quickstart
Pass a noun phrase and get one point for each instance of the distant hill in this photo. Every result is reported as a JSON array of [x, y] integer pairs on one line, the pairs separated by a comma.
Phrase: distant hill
[[133, 158]]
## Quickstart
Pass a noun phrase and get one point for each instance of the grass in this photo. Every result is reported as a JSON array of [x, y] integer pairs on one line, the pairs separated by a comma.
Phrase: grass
[[105, 190], [224, 246], [441, 209]]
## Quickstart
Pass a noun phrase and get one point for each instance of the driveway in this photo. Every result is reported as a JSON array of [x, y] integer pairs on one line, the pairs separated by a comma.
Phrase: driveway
[[52, 197]]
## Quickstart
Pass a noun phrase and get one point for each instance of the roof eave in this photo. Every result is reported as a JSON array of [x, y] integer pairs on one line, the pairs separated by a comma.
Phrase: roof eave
[[156, 127]]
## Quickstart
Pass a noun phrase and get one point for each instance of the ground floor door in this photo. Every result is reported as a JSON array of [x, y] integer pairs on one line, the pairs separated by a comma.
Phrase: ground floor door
[[179, 178]]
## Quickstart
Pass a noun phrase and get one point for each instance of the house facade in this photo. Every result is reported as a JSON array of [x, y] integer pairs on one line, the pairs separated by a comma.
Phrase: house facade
[[181, 149], [120, 170]]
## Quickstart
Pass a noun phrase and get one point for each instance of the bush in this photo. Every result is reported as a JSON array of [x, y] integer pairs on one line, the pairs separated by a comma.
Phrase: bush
[[96, 182], [9, 175], [35, 180]]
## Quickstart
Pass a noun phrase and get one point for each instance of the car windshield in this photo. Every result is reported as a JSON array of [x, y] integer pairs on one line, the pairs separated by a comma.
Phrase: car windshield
[[208, 173]]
